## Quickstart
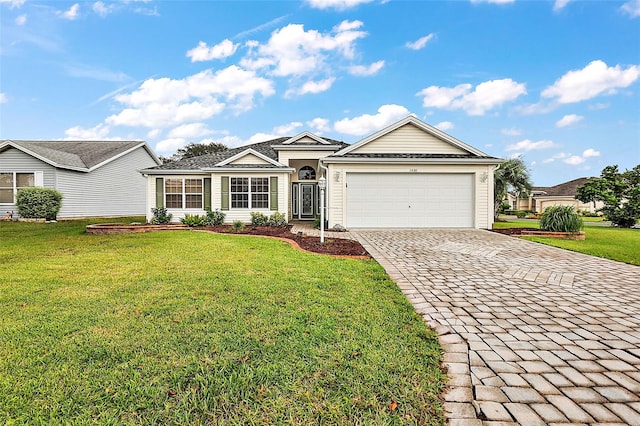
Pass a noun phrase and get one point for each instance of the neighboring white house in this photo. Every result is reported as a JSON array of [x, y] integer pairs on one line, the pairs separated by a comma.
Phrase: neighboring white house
[[562, 194], [407, 175], [96, 178]]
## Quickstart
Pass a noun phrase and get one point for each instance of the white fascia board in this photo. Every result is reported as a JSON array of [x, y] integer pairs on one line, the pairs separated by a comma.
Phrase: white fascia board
[[410, 119], [307, 134], [247, 152], [44, 159], [305, 147], [465, 161], [240, 170]]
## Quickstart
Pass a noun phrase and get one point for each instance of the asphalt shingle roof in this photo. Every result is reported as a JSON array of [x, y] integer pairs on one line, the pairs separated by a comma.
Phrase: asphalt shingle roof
[[77, 154], [565, 189]]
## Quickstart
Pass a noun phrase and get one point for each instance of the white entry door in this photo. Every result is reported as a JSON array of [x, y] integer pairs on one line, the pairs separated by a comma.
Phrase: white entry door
[[410, 200]]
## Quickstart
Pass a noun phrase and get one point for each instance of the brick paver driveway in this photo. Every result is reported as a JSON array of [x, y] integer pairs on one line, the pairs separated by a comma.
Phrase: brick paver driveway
[[532, 334]]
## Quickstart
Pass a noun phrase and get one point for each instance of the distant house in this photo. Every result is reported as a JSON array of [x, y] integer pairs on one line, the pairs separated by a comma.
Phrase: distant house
[[96, 178], [562, 194], [407, 175]]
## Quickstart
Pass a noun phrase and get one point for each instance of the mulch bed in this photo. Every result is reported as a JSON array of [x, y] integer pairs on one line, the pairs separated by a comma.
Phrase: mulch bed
[[513, 231], [332, 246]]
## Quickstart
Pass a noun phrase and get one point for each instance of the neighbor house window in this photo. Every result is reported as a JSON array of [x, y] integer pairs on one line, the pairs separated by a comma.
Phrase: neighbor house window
[[249, 193], [183, 193], [11, 182]]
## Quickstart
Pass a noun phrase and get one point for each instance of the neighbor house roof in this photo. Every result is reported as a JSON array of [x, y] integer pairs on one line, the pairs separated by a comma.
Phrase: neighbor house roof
[[217, 160], [77, 155], [565, 189]]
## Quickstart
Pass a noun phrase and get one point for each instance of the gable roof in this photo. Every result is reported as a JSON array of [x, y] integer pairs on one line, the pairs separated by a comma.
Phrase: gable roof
[[565, 189], [306, 134], [83, 156], [218, 160], [410, 119]]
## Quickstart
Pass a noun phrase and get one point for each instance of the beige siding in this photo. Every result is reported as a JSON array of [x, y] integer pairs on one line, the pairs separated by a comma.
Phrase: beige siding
[[177, 213], [408, 139], [114, 189], [249, 159], [304, 140], [483, 186], [285, 156], [14, 160]]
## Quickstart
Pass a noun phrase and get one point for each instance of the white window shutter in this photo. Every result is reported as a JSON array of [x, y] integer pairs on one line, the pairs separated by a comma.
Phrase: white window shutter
[[38, 179]]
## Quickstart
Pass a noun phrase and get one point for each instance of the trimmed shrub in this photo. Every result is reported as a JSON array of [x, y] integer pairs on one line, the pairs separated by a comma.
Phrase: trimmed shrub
[[237, 226], [259, 219], [560, 219], [160, 216], [214, 218], [193, 220], [38, 203], [278, 219]]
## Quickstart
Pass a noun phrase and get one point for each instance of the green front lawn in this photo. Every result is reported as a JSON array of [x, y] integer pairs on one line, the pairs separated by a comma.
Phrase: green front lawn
[[187, 327], [618, 244]]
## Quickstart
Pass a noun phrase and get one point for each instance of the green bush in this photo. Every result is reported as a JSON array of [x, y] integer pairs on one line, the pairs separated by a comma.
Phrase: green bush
[[316, 223], [38, 203], [193, 220], [160, 216], [259, 219], [277, 219], [560, 219], [237, 226], [504, 207], [521, 214], [214, 218]]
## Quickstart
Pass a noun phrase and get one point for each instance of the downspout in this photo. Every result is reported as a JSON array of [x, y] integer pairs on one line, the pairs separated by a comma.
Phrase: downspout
[[326, 203]]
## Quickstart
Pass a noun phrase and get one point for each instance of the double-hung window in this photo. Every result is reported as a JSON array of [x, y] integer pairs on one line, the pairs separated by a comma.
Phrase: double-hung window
[[249, 193], [183, 193], [11, 182]]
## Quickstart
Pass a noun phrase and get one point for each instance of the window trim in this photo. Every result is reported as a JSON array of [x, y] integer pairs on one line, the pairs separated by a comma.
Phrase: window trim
[[184, 194], [14, 188], [249, 193]]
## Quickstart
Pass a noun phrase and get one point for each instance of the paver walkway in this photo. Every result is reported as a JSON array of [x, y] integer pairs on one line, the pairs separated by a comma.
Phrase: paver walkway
[[532, 334]]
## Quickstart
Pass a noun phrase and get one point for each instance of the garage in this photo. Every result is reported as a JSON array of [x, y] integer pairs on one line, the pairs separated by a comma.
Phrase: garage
[[410, 200]]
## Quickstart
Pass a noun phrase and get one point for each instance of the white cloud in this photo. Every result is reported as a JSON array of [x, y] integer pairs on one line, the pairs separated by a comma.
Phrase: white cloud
[[568, 120], [336, 4], [21, 19], [154, 133], [292, 51], [590, 152], [190, 131], [444, 125], [632, 8], [598, 106], [511, 132], [595, 79], [101, 9], [312, 87], [72, 13], [493, 1], [99, 132], [164, 102], [420, 43], [13, 3], [486, 96], [222, 50], [574, 160], [559, 156], [319, 125], [287, 129], [367, 123], [3, 98], [558, 5], [361, 70], [170, 145], [529, 145]]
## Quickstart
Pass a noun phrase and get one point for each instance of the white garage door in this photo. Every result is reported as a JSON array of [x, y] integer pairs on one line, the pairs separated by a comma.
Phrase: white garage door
[[398, 200]]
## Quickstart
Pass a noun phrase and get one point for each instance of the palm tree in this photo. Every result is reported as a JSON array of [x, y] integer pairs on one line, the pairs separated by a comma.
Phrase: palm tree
[[512, 175]]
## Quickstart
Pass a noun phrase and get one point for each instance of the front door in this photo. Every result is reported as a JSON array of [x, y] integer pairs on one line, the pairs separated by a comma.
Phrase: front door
[[307, 200]]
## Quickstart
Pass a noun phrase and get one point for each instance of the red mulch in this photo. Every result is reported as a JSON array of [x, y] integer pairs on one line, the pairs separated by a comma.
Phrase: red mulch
[[333, 246], [513, 231]]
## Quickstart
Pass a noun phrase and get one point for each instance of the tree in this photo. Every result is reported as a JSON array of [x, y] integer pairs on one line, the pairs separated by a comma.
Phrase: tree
[[620, 193], [195, 150], [512, 175]]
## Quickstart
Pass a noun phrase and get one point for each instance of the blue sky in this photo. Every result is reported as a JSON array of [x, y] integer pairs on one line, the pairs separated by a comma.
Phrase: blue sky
[[554, 81]]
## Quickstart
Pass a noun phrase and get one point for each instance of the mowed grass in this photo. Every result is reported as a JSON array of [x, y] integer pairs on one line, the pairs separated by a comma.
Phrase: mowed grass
[[187, 327], [618, 244]]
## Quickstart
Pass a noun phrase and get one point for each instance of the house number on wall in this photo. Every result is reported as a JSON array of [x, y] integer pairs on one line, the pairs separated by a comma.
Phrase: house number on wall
[[413, 170]]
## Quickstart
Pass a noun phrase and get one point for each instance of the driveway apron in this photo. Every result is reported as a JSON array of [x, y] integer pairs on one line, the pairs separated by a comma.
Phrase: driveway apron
[[531, 334]]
